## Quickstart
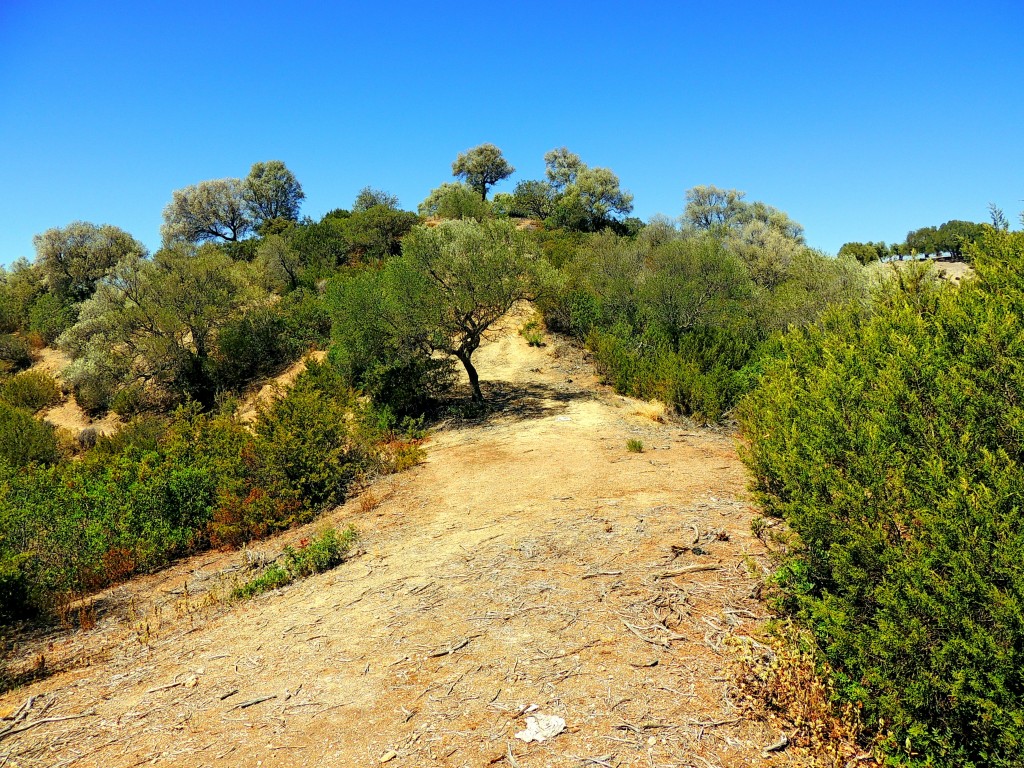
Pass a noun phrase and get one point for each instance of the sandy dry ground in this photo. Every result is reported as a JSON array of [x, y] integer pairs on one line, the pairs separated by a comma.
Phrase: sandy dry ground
[[530, 561], [954, 271]]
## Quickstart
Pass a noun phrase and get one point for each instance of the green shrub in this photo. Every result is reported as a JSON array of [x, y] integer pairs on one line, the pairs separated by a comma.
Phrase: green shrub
[[50, 317], [15, 353], [369, 358], [533, 332], [24, 439], [251, 347], [635, 446], [306, 319], [94, 388], [163, 488], [319, 554], [31, 390], [129, 400], [893, 446], [273, 577], [309, 442]]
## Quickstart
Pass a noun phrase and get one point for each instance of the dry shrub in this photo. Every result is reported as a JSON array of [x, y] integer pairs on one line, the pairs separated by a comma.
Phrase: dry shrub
[[368, 502], [35, 340], [400, 455], [781, 684]]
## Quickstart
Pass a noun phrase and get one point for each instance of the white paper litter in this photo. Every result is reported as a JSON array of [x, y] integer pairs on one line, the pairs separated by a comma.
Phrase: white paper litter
[[541, 728]]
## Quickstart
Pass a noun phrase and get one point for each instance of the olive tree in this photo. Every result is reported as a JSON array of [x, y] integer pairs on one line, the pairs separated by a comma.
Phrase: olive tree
[[210, 210], [454, 200], [451, 283], [157, 320], [482, 167], [369, 197], [73, 258], [583, 198], [271, 191]]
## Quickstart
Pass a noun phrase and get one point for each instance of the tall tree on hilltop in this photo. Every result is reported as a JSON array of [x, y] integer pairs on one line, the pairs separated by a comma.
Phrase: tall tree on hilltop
[[482, 167], [271, 191]]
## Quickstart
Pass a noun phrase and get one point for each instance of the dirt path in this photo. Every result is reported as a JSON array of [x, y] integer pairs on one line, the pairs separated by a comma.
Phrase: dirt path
[[530, 561]]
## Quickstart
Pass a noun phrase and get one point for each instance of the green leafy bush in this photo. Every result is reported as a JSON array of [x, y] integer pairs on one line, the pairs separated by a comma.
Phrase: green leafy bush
[[94, 384], [273, 577], [369, 356], [316, 440], [892, 443], [31, 390], [316, 555], [15, 353], [50, 317], [163, 488], [129, 400], [681, 318], [24, 439], [252, 346]]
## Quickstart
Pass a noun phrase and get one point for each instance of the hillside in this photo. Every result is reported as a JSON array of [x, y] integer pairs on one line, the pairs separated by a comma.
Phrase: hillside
[[531, 560]]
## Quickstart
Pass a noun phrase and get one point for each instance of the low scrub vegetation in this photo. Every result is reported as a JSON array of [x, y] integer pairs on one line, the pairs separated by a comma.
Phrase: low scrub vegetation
[[321, 553], [31, 390], [164, 487], [891, 441], [687, 315]]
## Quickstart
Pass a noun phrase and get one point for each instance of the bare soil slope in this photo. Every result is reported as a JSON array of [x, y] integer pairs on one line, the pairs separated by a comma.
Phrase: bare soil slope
[[531, 561]]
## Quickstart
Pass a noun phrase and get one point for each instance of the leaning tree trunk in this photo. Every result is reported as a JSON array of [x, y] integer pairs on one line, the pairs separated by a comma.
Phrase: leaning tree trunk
[[474, 378]]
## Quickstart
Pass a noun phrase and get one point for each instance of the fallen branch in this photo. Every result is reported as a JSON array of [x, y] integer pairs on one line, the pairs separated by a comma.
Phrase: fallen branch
[[595, 574], [33, 724], [253, 702], [685, 570], [165, 687], [451, 648], [635, 631]]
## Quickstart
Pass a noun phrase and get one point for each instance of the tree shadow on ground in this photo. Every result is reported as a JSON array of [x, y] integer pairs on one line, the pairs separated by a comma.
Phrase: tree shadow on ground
[[505, 401]]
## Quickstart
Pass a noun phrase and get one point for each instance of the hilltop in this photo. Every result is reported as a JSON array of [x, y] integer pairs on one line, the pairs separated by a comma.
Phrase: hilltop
[[530, 561]]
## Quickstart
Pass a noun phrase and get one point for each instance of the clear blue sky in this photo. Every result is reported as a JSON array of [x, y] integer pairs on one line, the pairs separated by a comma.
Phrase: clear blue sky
[[861, 120]]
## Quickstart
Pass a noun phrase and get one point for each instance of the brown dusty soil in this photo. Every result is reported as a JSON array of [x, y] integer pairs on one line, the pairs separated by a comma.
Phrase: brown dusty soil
[[529, 561], [954, 271]]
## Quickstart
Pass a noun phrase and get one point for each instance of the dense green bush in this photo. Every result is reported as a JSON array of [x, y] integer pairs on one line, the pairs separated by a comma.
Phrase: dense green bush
[[252, 346], [94, 385], [306, 319], [49, 316], [681, 318], [391, 371], [31, 390], [15, 353], [892, 443], [23, 439], [455, 200], [162, 488], [316, 440]]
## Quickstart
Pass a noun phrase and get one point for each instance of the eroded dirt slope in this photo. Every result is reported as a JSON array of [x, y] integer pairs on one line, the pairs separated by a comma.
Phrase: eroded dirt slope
[[530, 561]]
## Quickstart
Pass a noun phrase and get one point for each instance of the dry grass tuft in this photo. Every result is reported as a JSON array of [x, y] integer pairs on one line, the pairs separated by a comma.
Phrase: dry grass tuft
[[653, 410], [781, 684]]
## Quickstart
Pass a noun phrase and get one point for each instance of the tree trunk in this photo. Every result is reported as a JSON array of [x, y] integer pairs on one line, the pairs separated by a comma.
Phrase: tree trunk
[[474, 378]]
